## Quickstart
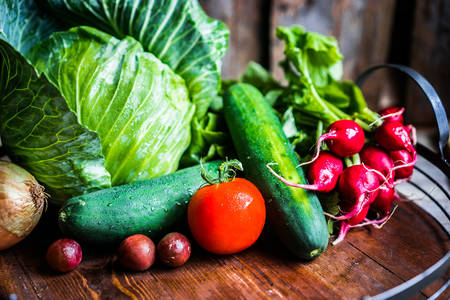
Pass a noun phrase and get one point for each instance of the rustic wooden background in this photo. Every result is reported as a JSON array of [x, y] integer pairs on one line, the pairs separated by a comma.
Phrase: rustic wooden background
[[410, 32]]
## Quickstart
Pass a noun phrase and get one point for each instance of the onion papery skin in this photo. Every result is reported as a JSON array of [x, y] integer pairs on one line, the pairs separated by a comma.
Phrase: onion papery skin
[[22, 201]]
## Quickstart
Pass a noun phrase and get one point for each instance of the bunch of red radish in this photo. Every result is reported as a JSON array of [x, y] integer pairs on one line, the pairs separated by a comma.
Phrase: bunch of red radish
[[368, 184]]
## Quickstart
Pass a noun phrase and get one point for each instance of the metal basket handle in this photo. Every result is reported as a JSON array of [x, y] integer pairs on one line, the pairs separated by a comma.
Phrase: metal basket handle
[[414, 285], [430, 94]]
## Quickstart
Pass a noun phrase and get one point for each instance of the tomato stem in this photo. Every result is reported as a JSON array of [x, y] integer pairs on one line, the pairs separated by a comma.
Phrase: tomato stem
[[226, 172]]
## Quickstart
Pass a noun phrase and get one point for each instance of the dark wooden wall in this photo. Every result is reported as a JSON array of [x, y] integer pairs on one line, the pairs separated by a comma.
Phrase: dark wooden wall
[[430, 55], [411, 32], [249, 32]]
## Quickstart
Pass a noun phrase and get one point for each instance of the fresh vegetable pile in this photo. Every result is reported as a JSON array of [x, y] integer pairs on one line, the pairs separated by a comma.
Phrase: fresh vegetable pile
[[117, 101], [294, 214], [365, 154], [104, 104], [150, 207]]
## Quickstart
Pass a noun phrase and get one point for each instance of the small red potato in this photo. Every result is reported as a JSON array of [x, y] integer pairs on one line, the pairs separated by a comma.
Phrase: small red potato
[[136, 253]]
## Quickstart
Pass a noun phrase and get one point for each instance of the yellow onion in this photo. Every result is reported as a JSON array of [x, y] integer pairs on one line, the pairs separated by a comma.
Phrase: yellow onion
[[22, 200]]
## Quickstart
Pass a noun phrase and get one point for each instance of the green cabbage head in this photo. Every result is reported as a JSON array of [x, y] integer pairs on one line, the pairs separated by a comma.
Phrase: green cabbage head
[[85, 108]]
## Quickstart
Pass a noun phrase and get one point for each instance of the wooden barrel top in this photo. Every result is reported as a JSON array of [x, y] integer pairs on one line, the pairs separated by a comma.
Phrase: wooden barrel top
[[368, 262]]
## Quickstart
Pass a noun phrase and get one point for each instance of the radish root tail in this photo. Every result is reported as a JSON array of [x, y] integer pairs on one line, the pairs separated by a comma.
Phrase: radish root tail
[[412, 133], [319, 142], [400, 112], [405, 165], [385, 179], [342, 233], [378, 224], [313, 187], [361, 202], [345, 227]]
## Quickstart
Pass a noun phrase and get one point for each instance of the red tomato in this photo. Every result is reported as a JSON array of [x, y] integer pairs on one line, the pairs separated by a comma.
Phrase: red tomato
[[228, 217]]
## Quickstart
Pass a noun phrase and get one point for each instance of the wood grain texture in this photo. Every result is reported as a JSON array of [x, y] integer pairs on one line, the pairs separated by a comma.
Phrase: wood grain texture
[[368, 262], [248, 41], [20, 285], [362, 28], [430, 51]]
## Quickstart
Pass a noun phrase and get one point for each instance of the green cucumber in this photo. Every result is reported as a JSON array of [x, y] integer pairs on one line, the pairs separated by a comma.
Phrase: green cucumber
[[148, 207], [295, 214]]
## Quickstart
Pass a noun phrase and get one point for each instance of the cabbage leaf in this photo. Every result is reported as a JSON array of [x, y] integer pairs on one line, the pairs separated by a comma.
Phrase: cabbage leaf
[[37, 128], [84, 110], [178, 32], [40, 132], [137, 105]]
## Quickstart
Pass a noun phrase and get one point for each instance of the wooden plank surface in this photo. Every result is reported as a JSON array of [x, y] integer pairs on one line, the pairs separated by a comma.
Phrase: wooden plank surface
[[248, 24], [368, 262]]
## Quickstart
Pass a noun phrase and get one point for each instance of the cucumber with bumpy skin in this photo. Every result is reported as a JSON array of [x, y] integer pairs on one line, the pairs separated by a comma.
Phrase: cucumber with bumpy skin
[[295, 214], [148, 207]]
